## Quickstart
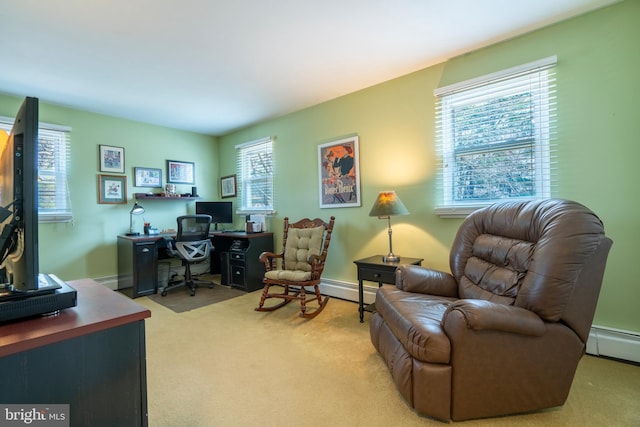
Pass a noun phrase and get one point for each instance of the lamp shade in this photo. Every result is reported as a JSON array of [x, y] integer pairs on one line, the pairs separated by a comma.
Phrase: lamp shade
[[388, 204], [136, 209]]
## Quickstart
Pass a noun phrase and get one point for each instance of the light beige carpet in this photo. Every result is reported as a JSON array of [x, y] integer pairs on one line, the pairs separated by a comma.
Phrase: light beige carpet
[[227, 365]]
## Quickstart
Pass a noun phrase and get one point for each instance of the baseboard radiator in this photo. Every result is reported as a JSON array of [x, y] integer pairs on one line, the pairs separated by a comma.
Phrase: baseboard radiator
[[603, 341]]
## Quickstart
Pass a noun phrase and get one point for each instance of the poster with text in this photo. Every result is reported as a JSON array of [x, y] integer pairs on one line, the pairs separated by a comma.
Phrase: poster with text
[[339, 173]]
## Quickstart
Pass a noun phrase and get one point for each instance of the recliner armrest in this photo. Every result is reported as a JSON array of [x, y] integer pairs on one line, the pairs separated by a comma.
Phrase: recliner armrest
[[415, 278], [481, 315]]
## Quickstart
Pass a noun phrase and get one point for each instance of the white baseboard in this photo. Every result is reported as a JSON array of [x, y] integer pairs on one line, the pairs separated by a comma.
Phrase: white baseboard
[[602, 341], [110, 282], [347, 291], [615, 343]]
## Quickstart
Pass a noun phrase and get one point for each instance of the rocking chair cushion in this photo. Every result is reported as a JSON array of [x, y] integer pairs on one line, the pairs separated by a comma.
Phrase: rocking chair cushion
[[288, 275], [301, 243]]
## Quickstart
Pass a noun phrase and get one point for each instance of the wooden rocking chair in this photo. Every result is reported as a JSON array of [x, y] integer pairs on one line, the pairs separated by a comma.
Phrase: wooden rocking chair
[[305, 244]]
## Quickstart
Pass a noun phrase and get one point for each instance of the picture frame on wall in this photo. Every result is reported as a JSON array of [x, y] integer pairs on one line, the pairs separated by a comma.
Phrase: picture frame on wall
[[112, 189], [147, 177], [181, 172], [339, 173], [111, 159], [228, 186]]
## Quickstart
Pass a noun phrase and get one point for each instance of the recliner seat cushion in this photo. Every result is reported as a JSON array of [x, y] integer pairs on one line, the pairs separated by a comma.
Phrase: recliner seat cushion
[[415, 320]]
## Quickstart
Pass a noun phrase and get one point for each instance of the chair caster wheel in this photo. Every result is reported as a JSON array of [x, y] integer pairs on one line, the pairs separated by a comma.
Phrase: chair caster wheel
[[164, 293]]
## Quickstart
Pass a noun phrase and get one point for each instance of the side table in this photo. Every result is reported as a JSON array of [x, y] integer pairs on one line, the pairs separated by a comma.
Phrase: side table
[[374, 269]]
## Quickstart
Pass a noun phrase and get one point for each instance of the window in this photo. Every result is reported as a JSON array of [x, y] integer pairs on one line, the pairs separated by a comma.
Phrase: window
[[255, 176], [494, 138], [54, 203]]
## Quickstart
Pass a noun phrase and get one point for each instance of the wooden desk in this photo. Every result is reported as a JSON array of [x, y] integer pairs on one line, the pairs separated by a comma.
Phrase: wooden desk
[[92, 357], [374, 269], [138, 264], [234, 257]]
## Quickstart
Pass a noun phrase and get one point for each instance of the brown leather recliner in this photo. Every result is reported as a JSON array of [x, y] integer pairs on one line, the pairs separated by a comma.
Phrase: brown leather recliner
[[503, 333]]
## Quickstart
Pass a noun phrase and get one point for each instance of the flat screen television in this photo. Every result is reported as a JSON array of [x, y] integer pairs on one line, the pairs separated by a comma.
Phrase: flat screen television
[[19, 200], [221, 212], [20, 278]]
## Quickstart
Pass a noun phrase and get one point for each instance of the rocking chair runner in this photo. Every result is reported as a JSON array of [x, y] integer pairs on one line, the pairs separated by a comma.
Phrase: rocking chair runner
[[305, 244]]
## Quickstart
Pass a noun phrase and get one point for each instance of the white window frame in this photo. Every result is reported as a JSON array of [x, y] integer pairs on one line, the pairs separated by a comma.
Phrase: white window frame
[[59, 137], [255, 173], [537, 80]]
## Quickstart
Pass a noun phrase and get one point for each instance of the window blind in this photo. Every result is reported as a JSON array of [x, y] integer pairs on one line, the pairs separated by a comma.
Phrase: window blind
[[54, 159], [495, 138], [255, 177]]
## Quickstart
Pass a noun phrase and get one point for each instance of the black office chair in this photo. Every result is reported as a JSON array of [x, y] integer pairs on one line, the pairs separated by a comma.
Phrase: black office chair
[[191, 245]]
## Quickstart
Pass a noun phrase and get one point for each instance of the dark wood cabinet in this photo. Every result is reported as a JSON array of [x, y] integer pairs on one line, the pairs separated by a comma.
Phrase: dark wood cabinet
[[91, 357], [137, 265], [236, 255]]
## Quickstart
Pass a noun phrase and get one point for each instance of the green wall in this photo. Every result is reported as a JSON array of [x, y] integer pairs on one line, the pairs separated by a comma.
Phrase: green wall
[[598, 128], [598, 151], [86, 247]]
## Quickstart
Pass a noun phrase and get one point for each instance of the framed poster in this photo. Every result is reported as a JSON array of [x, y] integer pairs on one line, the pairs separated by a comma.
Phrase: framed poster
[[111, 159], [112, 189], [147, 177], [339, 173], [228, 186], [180, 172]]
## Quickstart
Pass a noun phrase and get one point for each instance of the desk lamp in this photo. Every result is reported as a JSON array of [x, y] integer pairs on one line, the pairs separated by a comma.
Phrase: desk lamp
[[386, 205], [135, 210]]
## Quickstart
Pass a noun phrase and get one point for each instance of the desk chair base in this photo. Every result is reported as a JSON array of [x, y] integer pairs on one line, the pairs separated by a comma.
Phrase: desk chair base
[[291, 293], [188, 282]]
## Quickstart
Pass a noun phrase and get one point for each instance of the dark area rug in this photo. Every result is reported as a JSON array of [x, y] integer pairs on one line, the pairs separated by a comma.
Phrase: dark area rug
[[180, 299]]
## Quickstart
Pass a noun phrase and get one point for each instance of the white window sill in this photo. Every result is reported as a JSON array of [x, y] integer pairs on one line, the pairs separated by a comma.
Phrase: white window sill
[[456, 211]]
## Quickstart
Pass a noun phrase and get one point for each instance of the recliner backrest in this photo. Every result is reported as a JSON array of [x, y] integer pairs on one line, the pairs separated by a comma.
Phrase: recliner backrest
[[533, 255]]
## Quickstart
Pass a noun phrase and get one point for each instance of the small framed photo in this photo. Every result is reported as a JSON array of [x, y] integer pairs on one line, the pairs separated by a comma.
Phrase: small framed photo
[[228, 186], [147, 177], [181, 172], [111, 159], [112, 189]]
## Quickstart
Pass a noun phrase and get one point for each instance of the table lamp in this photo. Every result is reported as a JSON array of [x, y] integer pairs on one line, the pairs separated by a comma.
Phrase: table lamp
[[387, 204], [135, 210]]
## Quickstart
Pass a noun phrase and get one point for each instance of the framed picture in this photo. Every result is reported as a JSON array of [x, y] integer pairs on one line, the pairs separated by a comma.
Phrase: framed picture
[[181, 172], [112, 189], [339, 173], [111, 159], [228, 186], [147, 177]]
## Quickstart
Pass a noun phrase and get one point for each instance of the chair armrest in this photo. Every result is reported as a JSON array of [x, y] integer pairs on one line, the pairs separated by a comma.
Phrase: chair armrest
[[481, 315], [414, 278], [269, 259], [169, 242]]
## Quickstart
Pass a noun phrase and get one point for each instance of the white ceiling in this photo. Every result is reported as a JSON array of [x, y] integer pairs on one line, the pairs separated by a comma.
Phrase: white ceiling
[[213, 66]]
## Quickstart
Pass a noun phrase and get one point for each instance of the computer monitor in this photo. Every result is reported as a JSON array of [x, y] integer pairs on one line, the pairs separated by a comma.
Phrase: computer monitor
[[221, 212]]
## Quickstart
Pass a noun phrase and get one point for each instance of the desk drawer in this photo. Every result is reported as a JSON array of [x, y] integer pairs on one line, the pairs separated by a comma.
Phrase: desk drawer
[[236, 256], [237, 276], [380, 276]]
